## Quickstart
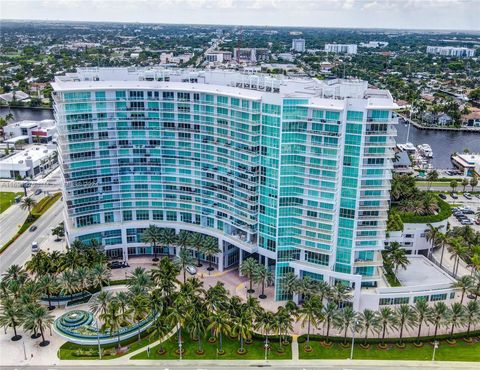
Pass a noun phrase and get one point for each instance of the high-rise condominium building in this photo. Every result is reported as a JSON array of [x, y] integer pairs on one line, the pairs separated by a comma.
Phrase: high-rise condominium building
[[451, 51], [341, 48], [298, 45], [295, 172]]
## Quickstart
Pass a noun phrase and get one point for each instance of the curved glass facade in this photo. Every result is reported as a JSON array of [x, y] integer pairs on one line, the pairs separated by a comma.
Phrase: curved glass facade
[[297, 171]]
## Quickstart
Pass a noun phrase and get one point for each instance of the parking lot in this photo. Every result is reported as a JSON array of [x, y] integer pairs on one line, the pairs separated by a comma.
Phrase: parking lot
[[465, 210]]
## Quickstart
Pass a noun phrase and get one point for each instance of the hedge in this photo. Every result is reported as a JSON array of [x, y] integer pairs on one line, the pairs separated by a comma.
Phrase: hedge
[[303, 338], [444, 213], [40, 208]]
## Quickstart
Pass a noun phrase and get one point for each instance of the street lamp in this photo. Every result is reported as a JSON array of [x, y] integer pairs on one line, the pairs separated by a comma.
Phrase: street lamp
[[435, 347], [266, 349], [354, 329], [98, 340]]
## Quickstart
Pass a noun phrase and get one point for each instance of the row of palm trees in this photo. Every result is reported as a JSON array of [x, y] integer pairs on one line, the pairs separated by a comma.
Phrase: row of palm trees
[[473, 182], [256, 273], [186, 240], [410, 199], [313, 313], [20, 304]]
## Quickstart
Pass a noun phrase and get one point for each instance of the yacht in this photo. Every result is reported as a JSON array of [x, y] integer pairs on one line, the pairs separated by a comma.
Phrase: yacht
[[407, 147], [425, 150]]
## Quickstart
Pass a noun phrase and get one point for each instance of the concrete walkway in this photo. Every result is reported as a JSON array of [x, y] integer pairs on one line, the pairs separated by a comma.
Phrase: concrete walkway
[[295, 354]]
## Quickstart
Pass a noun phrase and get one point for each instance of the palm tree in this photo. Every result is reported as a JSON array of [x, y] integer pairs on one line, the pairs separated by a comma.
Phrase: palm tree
[[386, 319], [123, 300], [113, 319], [431, 177], [48, 283], [472, 314], [10, 316], [397, 256], [139, 278], [139, 305], [340, 293], [249, 268], [431, 235], [210, 249], [219, 324], [283, 325], [457, 250], [368, 320], [330, 311], [177, 315], [473, 182], [465, 183], [167, 237], [309, 313], [197, 327], [437, 316], [464, 283], [455, 316], [161, 329], [15, 274], [265, 321], [264, 276], [197, 241], [344, 320], [152, 235], [404, 316], [38, 264], [82, 277], [453, 185], [289, 283], [67, 283], [39, 318], [242, 328], [183, 260], [100, 275], [165, 277], [442, 240], [421, 315], [28, 203], [324, 290], [100, 303]]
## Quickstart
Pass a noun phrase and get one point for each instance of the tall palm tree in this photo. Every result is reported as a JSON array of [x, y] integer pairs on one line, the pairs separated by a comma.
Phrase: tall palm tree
[[152, 235], [442, 240], [113, 319], [83, 278], [248, 268], [431, 235], [100, 303], [219, 324], [330, 311], [283, 325], [167, 237], [139, 278], [210, 249], [177, 315], [457, 250], [464, 283], [184, 239], [139, 305], [196, 326], [404, 316], [309, 313], [100, 275], [455, 317], [27, 322], [161, 329], [15, 273], [183, 260], [265, 322], [397, 256], [38, 263], [123, 300], [289, 283], [368, 320], [437, 316], [40, 319], [340, 293], [242, 328], [422, 315], [67, 283], [28, 203], [197, 241], [48, 282], [386, 318], [324, 290], [165, 277], [11, 316], [472, 314], [346, 318], [264, 276]]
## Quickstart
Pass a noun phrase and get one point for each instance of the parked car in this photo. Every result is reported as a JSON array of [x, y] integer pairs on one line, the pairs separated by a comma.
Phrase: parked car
[[116, 265], [477, 221], [32, 228], [38, 191], [454, 196], [466, 222], [468, 196], [191, 269], [443, 196]]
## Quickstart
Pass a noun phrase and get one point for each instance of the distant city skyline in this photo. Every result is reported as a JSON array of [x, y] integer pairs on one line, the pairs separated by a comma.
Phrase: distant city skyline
[[393, 14]]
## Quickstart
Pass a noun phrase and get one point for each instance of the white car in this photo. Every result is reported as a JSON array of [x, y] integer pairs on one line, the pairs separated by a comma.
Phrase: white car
[[191, 269], [35, 248]]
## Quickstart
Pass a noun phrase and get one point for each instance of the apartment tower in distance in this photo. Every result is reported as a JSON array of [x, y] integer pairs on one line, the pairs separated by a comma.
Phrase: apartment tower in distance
[[295, 172], [298, 45]]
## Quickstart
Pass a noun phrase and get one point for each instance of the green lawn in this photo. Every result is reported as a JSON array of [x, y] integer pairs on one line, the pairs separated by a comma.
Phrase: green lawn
[[255, 350], [72, 351], [461, 351], [6, 199]]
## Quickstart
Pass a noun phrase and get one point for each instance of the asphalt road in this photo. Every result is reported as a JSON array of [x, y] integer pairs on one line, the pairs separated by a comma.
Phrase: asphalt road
[[20, 251]]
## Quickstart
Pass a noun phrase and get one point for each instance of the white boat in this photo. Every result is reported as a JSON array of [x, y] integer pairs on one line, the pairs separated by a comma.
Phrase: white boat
[[425, 150], [407, 147]]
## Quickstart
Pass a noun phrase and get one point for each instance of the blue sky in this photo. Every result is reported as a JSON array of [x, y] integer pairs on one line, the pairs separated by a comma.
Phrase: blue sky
[[416, 14]]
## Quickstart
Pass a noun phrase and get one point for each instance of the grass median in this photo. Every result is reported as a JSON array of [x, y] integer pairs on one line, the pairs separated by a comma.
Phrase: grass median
[[40, 208]]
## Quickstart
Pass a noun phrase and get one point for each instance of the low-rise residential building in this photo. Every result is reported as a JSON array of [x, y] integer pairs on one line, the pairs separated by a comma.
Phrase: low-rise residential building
[[374, 44], [341, 48], [451, 51], [29, 163], [402, 163], [30, 131], [14, 95], [472, 119]]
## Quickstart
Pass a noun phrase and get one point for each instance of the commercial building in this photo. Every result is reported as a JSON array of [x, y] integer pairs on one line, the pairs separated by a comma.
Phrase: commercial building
[[30, 131], [218, 56], [298, 45], [29, 163], [451, 51], [251, 55], [468, 163], [341, 48], [374, 44], [295, 172]]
